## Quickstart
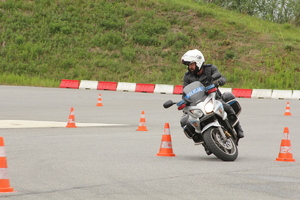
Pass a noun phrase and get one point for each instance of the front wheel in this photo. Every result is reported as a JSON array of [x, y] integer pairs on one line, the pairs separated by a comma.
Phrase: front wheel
[[226, 151]]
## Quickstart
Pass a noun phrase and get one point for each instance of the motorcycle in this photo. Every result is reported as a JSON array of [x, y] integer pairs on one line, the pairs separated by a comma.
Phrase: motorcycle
[[207, 119]]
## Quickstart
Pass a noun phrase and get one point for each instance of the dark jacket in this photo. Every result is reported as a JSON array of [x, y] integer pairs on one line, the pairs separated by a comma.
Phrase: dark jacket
[[210, 74]]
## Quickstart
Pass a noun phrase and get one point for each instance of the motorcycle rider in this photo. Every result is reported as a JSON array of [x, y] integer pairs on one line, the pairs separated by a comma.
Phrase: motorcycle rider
[[207, 75]]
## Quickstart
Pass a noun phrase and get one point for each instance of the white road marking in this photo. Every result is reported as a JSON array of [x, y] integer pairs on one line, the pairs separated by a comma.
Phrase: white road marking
[[39, 124]]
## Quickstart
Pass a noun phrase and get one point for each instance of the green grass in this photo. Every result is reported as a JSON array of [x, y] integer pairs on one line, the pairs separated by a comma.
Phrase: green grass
[[43, 42], [12, 79]]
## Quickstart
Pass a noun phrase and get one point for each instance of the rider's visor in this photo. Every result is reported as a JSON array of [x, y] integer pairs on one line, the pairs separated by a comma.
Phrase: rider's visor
[[185, 62]]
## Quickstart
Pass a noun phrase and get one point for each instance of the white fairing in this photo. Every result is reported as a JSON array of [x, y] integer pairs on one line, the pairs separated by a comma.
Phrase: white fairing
[[218, 109]]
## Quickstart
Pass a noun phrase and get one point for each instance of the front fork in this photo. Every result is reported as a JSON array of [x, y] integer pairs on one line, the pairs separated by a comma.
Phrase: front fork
[[223, 134], [196, 124]]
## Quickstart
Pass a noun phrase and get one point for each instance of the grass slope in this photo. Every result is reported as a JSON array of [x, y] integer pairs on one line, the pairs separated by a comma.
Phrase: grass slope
[[44, 41]]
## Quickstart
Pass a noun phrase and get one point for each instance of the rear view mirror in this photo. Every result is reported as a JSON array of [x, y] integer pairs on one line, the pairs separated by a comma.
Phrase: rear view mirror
[[168, 104]]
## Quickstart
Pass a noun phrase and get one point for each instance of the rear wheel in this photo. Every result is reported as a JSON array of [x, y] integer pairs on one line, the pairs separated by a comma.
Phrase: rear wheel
[[226, 151]]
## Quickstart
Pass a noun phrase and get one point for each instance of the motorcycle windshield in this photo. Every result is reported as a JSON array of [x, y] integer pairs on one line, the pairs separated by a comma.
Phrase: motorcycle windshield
[[194, 92]]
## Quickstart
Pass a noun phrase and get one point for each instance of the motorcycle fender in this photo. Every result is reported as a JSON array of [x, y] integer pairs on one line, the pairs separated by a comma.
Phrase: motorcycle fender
[[214, 124]]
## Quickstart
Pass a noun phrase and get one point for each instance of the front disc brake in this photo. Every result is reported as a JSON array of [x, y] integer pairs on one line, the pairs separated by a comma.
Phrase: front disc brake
[[227, 145]]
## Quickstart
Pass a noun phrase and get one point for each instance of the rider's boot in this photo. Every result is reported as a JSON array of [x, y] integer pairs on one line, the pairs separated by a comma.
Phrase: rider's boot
[[237, 126], [239, 130]]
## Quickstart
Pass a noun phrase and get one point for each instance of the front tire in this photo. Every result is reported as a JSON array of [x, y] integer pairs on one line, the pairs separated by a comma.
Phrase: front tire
[[226, 151]]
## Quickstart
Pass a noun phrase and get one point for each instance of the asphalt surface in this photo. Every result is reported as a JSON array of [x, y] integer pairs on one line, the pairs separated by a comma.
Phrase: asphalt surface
[[106, 158]]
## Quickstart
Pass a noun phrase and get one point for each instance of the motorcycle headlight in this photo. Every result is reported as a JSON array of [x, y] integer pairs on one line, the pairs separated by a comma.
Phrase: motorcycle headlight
[[196, 113], [209, 107]]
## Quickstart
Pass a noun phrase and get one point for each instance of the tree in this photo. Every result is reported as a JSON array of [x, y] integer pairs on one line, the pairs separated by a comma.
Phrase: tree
[[278, 11]]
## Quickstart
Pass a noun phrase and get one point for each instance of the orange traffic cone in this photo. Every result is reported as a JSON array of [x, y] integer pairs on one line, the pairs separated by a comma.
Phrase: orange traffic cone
[[166, 143], [99, 102], [287, 109], [142, 124], [71, 120], [285, 153], [4, 181]]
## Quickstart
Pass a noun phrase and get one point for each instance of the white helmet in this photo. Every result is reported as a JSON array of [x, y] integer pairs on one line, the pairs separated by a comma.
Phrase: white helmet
[[193, 56]]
